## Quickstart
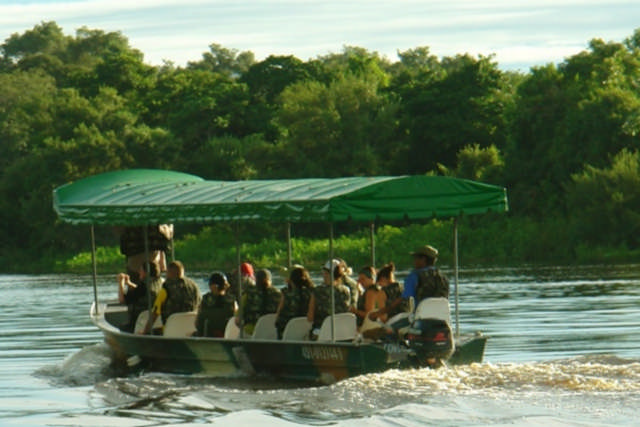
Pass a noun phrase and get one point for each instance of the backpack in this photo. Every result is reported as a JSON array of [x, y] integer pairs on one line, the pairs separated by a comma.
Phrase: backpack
[[431, 283]]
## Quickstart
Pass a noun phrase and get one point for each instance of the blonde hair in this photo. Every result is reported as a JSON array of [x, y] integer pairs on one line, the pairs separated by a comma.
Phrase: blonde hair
[[177, 267]]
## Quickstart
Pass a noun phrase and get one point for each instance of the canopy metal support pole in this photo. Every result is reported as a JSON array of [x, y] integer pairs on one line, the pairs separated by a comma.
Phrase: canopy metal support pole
[[95, 270], [333, 290], [173, 248], [289, 246], [455, 272], [372, 239], [145, 233], [239, 277]]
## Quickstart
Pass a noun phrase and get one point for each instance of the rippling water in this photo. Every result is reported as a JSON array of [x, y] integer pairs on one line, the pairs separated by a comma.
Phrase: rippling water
[[564, 351]]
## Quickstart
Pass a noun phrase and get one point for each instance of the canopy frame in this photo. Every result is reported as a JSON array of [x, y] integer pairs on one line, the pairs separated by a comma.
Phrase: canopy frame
[[140, 197]]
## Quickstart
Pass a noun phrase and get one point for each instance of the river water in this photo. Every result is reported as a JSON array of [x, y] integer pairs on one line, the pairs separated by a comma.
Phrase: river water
[[564, 351]]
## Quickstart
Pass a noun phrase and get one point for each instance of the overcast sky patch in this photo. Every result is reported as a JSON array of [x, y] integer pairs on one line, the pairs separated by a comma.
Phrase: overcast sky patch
[[520, 34]]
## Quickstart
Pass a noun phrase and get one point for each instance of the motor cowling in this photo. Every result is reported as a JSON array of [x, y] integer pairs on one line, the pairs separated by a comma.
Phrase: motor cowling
[[431, 340]]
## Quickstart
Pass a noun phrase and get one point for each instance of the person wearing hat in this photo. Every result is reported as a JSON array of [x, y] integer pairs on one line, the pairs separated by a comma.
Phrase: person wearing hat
[[424, 281], [216, 308], [247, 279], [320, 301]]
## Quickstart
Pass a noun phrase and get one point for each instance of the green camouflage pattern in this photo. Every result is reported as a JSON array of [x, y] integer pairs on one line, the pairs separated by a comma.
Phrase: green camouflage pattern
[[322, 293], [296, 304], [431, 284], [182, 295], [394, 291], [313, 361], [354, 291], [213, 314], [258, 301]]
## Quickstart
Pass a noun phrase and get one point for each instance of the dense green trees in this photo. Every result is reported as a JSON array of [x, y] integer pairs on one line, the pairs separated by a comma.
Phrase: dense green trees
[[563, 137]]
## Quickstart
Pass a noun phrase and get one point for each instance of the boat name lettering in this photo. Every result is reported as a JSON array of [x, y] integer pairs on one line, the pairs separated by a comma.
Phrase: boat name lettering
[[321, 353], [393, 348]]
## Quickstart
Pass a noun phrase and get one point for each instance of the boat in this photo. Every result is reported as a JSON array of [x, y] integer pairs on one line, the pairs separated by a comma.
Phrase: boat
[[141, 197]]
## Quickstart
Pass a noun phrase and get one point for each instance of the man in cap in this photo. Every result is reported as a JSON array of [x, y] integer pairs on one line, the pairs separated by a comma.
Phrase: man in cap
[[425, 280]]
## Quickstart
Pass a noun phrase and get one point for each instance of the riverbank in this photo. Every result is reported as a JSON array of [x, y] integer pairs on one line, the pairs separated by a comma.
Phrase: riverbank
[[493, 240]]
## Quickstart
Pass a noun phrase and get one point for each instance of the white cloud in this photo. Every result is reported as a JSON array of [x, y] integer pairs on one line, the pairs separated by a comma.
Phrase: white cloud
[[520, 33]]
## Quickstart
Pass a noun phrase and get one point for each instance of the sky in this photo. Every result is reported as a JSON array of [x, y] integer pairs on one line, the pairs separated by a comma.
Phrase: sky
[[519, 33]]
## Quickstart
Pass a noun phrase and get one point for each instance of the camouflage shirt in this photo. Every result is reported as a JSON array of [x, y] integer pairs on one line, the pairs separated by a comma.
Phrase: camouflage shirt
[[182, 295], [322, 294], [353, 290], [213, 314], [296, 303], [258, 301], [394, 291]]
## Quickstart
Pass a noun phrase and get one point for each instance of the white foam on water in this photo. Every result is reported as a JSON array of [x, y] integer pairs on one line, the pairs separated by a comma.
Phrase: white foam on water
[[585, 374], [88, 366], [568, 392]]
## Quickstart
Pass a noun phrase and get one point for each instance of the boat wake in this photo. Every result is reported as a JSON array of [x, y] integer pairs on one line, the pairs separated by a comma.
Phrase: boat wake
[[88, 366], [602, 373], [547, 383]]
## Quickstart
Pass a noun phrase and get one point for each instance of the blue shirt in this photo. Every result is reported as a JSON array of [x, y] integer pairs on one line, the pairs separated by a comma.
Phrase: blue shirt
[[411, 282]]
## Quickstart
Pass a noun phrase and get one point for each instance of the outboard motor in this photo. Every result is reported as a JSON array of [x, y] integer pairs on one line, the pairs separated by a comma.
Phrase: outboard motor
[[430, 336]]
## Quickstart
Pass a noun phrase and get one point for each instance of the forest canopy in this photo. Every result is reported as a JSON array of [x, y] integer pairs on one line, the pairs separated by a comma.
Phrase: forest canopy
[[563, 138]]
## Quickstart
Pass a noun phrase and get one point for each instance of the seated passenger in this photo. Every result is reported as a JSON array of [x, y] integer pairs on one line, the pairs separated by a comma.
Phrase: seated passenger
[[373, 297], [387, 282], [135, 294], [295, 299], [178, 294], [257, 300], [346, 279], [424, 281], [247, 279], [216, 308], [320, 301]]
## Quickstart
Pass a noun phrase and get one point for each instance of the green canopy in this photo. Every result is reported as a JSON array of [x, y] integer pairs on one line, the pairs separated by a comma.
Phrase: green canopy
[[136, 197]]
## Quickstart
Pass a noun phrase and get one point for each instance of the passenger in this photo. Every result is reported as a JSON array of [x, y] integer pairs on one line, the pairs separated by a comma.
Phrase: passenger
[[348, 281], [178, 294], [216, 308], [247, 279], [320, 301], [135, 295], [257, 300], [387, 281], [373, 297], [295, 298], [424, 281]]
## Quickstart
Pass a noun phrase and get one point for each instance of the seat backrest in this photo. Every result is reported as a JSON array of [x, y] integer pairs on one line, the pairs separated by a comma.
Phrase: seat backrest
[[142, 320], [297, 329], [231, 331], [346, 327], [434, 308], [265, 328], [180, 324]]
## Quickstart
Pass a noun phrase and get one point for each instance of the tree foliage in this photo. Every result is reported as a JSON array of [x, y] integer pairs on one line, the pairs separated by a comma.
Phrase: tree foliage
[[563, 137]]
